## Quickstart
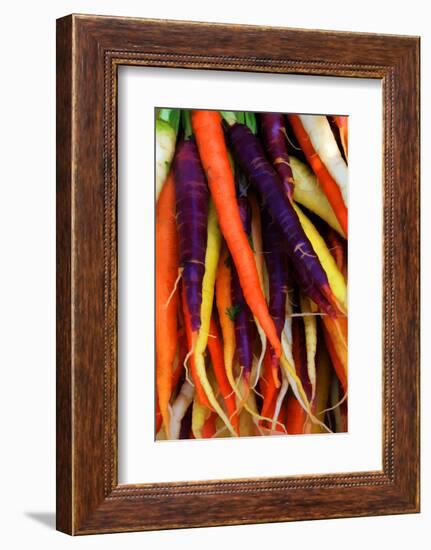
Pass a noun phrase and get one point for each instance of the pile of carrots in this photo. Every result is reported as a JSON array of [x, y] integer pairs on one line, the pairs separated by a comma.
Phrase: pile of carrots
[[251, 274]]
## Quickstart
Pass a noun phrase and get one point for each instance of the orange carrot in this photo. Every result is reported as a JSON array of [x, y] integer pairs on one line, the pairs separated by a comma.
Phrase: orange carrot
[[329, 185], [159, 419], [166, 302], [269, 388], [335, 245], [224, 307], [335, 332], [216, 352], [200, 392], [213, 153], [256, 236], [342, 123], [182, 352], [209, 427], [295, 416]]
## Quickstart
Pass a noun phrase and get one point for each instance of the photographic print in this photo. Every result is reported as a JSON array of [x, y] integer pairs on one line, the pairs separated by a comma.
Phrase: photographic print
[[204, 303], [250, 273]]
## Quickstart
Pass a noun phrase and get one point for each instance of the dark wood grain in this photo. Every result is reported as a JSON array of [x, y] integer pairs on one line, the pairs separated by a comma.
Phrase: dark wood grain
[[90, 49], [64, 496]]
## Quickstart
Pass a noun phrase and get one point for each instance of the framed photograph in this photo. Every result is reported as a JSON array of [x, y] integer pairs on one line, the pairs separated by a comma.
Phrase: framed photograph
[[237, 274]]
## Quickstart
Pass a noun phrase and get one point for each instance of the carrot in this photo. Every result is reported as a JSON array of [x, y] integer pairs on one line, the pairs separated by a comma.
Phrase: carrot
[[338, 250], [300, 354], [247, 425], [277, 269], [265, 180], [323, 374], [224, 307], [274, 138], [326, 180], [342, 124], [334, 275], [179, 408], [216, 352], [277, 412], [310, 326], [339, 408], [256, 237], [159, 420], [209, 428], [269, 388], [212, 256], [200, 415], [192, 197], [190, 339], [186, 423], [166, 305], [309, 193], [181, 356], [213, 152], [295, 416], [241, 314], [336, 343], [167, 123]]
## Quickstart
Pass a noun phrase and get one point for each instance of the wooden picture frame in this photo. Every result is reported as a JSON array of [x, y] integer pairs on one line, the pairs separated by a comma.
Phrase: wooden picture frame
[[89, 51]]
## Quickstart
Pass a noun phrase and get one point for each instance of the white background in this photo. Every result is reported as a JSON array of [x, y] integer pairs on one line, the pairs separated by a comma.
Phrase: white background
[[27, 122], [143, 460]]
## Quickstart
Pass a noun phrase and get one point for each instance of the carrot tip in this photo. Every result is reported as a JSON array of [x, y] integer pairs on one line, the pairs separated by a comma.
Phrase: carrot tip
[[274, 368]]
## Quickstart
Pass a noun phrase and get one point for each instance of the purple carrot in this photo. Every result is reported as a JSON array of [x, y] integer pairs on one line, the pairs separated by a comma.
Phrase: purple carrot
[[186, 424], [241, 313], [274, 249], [302, 276], [263, 177], [274, 138], [192, 197]]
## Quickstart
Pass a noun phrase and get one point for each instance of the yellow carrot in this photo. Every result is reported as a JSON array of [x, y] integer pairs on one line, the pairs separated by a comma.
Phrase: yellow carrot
[[256, 235], [200, 414], [212, 256], [298, 391], [309, 193], [246, 425], [310, 326], [335, 277], [323, 374]]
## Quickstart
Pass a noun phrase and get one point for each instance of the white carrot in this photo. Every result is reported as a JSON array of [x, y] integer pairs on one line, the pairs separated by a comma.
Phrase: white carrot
[[323, 142]]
